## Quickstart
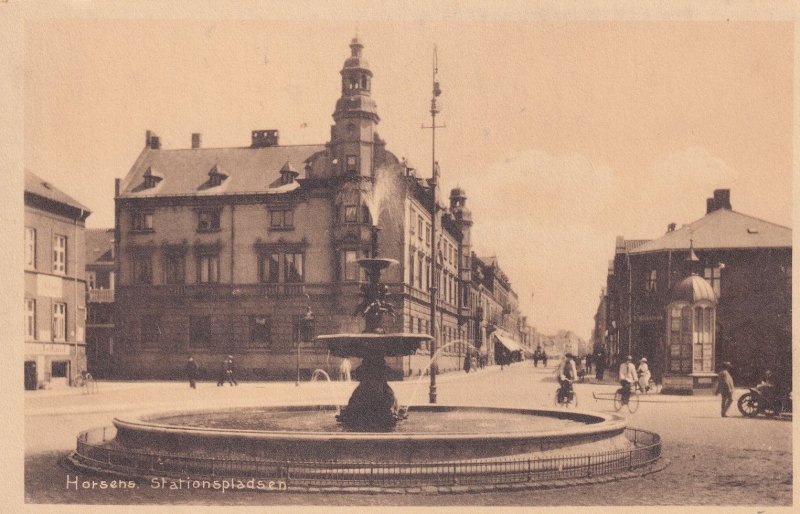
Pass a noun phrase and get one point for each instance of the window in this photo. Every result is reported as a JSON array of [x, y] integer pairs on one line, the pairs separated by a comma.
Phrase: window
[[174, 269], [143, 269], [281, 219], [269, 268], [650, 283], [423, 270], [150, 330], [200, 331], [91, 279], [419, 273], [59, 322], [302, 329], [411, 261], [142, 221], [713, 275], [60, 255], [701, 338], [208, 220], [352, 164], [208, 269], [428, 234], [293, 267], [30, 319], [411, 223], [350, 214], [260, 330], [419, 226], [30, 247], [350, 265], [680, 343]]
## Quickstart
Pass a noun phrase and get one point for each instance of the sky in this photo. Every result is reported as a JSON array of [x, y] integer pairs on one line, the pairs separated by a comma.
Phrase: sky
[[564, 134]]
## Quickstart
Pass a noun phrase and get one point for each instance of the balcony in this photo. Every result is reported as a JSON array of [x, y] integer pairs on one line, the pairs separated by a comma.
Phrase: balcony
[[100, 296], [280, 290]]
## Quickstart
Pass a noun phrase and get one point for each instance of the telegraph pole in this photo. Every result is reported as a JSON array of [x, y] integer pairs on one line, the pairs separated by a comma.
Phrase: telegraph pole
[[434, 182]]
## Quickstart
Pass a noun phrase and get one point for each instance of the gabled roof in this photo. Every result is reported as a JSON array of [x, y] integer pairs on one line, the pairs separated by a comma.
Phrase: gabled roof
[[99, 244], [40, 187], [186, 171], [722, 228]]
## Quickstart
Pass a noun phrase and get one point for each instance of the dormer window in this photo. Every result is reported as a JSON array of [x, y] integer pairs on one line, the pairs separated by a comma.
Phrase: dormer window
[[152, 178], [216, 176], [288, 173], [208, 220]]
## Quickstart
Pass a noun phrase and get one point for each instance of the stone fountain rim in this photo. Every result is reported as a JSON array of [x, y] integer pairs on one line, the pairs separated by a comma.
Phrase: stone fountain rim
[[608, 423]]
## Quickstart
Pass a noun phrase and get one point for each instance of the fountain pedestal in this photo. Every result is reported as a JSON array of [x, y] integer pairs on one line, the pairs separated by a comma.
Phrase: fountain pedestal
[[373, 406]]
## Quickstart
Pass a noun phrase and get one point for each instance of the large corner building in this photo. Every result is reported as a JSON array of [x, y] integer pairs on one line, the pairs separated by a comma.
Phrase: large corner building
[[252, 251]]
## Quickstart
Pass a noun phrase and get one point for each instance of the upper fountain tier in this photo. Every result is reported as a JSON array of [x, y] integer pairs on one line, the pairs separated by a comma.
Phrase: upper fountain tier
[[374, 342]]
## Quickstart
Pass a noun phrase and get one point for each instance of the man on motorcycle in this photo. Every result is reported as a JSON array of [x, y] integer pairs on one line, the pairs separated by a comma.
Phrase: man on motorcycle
[[566, 374]]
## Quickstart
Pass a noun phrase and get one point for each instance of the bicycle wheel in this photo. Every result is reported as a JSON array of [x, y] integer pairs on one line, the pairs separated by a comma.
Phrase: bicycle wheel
[[617, 401], [572, 401], [633, 402]]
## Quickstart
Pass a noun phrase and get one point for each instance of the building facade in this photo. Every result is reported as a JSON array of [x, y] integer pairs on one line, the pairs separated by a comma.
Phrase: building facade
[[99, 301], [747, 263], [252, 251], [55, 310]]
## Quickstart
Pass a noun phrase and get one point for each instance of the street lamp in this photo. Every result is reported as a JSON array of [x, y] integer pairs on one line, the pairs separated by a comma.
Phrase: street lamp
[[305, 334]]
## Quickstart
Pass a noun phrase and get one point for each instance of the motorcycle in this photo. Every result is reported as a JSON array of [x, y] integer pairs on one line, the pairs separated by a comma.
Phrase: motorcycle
[[755, 402]]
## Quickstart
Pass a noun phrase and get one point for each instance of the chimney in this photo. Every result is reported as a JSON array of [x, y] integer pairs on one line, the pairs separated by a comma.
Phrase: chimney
[[155, 143], [196, 138], [722, 198], [263, 138], [711, 205], [671, 227], [147, 135]]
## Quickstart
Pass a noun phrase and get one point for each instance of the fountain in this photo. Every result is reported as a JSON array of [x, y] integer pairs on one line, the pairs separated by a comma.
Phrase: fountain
[[370, 442]]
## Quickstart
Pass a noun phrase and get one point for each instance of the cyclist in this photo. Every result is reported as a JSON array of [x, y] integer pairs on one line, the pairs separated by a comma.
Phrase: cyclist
[[566, 374], [627, 377]]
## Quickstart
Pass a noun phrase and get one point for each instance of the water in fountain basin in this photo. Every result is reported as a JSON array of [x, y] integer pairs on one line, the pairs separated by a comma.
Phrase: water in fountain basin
[[322, 373]]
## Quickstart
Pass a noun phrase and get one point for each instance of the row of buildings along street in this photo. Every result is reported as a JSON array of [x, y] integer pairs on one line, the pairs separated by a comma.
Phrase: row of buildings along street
[[251, 251]]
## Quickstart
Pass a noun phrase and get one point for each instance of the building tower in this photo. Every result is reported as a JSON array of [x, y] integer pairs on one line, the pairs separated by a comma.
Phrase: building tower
[[353, 136], [463, 219]]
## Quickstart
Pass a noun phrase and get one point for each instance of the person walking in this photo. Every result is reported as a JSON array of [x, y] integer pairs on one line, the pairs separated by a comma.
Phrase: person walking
[[344, 370], [644, 375], [725, 388], [566, 373], [229, 372], [191, 372], [600, 363]]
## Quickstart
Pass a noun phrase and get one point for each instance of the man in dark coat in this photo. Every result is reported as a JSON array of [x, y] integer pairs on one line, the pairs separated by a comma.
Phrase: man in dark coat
[[191, 372], [229, 369]]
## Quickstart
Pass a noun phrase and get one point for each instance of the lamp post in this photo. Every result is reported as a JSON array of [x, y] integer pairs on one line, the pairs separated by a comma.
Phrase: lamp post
[[304, 335], [433, 184]]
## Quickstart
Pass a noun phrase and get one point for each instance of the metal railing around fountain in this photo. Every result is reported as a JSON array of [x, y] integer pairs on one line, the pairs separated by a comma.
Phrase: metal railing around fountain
[[95, 452]]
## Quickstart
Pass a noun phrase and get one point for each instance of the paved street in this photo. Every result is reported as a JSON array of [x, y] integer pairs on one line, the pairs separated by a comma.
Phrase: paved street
[[713, 461]]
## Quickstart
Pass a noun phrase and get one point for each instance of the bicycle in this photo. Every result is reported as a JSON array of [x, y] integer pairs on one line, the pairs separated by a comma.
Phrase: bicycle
[[632, 403], [570, 400], [652, 387], [87, 382]]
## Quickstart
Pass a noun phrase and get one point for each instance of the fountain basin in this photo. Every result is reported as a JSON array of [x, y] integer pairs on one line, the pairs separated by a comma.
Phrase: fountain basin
[[508, 435]]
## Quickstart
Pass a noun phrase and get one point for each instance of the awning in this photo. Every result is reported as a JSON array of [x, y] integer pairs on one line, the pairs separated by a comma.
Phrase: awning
[[509, 343]]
